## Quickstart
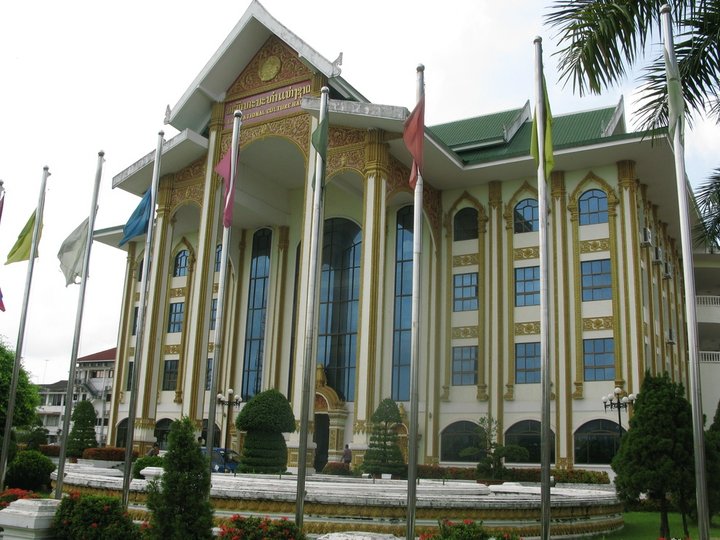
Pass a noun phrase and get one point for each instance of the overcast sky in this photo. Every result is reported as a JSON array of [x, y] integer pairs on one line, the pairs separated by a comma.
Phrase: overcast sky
[[81, 76]]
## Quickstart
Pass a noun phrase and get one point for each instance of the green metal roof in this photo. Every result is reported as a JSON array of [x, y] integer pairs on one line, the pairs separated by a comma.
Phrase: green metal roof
[[478, 130], [567, 130]]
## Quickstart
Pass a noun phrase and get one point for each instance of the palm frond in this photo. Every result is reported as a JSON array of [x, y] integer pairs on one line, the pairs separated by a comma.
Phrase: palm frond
[[707, 199], [604, 38]]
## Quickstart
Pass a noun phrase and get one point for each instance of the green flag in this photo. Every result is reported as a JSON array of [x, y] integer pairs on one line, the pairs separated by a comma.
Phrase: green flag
[[548, 150], [320, 138], [21, 250], [676, 102]]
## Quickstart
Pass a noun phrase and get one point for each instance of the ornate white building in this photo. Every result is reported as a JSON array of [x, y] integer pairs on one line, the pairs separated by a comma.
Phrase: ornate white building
[[615, 276]]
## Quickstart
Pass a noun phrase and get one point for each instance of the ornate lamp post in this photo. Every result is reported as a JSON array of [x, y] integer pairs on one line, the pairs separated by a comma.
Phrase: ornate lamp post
[[615, 400], [228, 401]]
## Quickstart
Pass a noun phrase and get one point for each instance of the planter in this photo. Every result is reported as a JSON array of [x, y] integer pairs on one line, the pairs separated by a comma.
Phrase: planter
[[100, 463]]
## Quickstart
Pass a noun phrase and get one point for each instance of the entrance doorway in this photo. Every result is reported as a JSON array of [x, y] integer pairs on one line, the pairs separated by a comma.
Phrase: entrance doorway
[[321, 438]]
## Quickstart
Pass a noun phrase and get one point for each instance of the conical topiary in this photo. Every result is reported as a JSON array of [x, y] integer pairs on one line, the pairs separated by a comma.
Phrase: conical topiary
[[383, 455]]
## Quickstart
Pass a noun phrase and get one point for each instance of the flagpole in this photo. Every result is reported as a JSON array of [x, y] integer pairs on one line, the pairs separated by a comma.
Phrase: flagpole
[[220, 311], [415, 337], [21, 330], [78, 327], [140, 327], [310, 316], [545, 375], [688, 278]]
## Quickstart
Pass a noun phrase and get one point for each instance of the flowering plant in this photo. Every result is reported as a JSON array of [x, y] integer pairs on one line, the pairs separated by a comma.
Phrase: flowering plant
[[13, 494], [467, 529], [256, 528]]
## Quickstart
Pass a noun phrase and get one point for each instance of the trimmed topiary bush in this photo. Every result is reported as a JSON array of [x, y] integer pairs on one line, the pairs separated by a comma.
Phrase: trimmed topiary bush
[[82, 435], [179, 499], [146, 461], [383, 455], [50, 450], [265, 418], [93, 517], [29, 470]]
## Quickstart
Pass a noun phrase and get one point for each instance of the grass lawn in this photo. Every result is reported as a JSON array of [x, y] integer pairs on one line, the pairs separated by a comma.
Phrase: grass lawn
[[645, 526]]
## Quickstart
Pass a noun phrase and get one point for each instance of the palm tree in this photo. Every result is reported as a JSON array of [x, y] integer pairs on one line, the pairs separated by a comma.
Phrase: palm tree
[[601, 40]]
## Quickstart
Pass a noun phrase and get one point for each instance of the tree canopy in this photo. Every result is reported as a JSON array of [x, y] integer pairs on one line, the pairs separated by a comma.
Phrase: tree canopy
[[602, 40], [656, 453], [26, 399], [82, 435]]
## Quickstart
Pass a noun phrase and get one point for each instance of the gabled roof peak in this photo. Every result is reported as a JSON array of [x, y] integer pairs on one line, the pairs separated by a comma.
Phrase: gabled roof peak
[[193, 109]]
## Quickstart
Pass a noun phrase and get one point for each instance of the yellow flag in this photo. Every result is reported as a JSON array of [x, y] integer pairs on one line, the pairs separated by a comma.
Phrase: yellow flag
[[21, 250], [548, 156]]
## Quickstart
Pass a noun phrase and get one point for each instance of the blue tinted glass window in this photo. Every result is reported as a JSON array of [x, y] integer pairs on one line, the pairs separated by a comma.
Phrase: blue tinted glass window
[[464, 366], [527, 363], [527, 286], [525, 216], [175, 317], [593, 207], [596, 282], [465, 225], [599, 359], [465, 292], [182, 260], [402, 316]]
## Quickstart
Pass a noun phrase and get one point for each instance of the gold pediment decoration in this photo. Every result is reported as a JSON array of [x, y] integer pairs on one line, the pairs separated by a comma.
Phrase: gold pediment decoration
[[471, 259], [523, 254], [527, 328], [598, 323], [465, 332], [594, 246]]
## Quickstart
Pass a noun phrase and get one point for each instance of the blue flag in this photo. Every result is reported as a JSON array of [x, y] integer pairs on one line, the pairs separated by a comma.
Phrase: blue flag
[[138, 222]]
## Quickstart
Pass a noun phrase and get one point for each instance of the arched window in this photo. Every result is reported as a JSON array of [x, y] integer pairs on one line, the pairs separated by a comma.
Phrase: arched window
[[525, 216], [121, 437], [526, 433], [181, 263], [256, 311], [403, 305], [218, 257], [457, 437], [593, 207], [339, 298], [465, 225], [597, 441], [140, 269], [162, 430]]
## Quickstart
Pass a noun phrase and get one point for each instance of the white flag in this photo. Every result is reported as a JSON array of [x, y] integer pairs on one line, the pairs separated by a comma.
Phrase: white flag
[[72, 253]]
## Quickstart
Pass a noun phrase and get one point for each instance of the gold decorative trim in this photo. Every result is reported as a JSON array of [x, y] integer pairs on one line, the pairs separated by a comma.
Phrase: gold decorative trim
[[527, 328], [172, 349], [471, 259], [360, 426], [465, 332], [523, 254], [598, 323], [593, 246], [178, 292]]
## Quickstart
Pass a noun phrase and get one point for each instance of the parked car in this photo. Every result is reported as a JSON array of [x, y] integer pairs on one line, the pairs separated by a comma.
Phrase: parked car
[[224, 460]]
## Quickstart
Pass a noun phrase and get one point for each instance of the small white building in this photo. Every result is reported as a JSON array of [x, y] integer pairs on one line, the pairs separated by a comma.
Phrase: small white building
[[93, 381]]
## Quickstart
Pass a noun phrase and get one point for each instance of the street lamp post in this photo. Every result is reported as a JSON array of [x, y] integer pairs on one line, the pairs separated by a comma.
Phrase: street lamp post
[[615, 400], [228, 401]]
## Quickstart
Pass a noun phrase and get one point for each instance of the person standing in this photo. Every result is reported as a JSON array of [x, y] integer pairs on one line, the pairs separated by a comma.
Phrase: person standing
[[347, 456]]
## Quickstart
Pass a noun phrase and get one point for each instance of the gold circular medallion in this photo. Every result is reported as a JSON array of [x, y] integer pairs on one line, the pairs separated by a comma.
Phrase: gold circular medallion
[[269, 68]]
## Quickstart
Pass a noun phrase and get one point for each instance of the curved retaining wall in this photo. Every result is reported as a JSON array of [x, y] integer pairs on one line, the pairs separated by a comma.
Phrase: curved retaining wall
[[336, 504]]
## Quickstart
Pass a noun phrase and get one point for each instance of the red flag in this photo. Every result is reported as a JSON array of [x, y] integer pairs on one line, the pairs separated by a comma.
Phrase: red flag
[[223, 169], [2, 305], [414, 136]]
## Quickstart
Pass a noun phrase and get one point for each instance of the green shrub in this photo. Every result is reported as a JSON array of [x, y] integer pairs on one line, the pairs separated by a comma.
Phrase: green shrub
[[383, 454], [146, 461], [82, 435], [263, 453], [93, 517], [563, 476], [265, 418], [447, 473], [13, 494], [466, 530], [29, 470], [256, 528], [179, 500]]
